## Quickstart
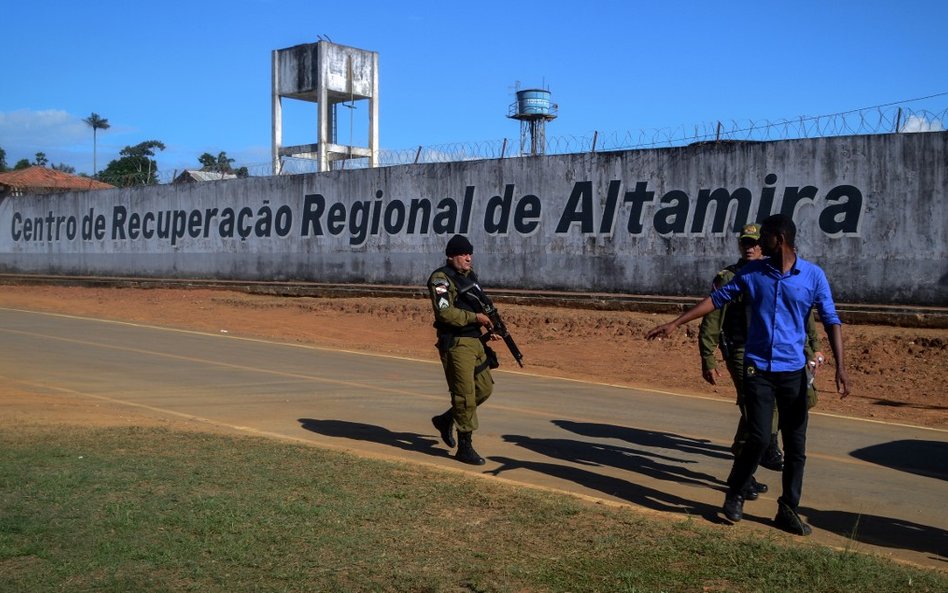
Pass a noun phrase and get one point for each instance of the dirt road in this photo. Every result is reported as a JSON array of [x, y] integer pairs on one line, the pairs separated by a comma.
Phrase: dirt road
[[898, 374]]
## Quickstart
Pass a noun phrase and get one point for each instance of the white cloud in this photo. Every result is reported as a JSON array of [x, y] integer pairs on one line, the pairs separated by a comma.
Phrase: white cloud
[[916, 123], [49, 128], [63, 137]]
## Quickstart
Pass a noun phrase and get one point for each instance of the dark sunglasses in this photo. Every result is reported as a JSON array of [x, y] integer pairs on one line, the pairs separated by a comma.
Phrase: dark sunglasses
[[749, 243]]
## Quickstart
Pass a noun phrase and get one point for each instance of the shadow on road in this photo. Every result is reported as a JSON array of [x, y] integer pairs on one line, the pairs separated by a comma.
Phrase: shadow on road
[[925, 458], [637, 461], [619, 488], [646, 438], [881, 531], [623, 458], [409, 441]]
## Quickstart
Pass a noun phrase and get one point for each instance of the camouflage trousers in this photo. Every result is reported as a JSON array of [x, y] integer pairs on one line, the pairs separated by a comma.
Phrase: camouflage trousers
[[469, 380]]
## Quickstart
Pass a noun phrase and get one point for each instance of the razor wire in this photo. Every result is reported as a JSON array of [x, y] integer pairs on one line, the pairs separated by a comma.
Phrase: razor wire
[[885, 119]]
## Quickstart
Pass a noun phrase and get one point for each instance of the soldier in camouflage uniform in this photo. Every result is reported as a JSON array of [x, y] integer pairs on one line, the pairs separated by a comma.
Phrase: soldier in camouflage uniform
[[726, 328], [464, 356]]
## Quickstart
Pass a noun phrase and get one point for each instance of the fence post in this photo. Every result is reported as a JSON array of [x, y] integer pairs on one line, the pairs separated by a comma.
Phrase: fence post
[[717, 135], [417, 155], [503, 149], [595, 138], [898, 121]]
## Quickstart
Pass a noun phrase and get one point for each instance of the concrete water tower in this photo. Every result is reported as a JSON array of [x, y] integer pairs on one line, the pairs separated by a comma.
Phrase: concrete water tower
[[533, 108], [326, 74]]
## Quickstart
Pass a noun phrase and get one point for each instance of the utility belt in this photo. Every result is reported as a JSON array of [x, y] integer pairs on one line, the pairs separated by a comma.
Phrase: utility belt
[[471, 330], [446, 341]]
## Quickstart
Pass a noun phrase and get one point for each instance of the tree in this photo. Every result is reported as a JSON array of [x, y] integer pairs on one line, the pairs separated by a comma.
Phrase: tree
[[41, 159], [22, 164], [97, 123], [135, 167], [3, 160], [221, 164], [65, 168]]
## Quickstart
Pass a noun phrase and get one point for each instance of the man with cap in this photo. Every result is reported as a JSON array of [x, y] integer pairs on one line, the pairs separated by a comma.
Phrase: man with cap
[[726, 328], [459, 324]]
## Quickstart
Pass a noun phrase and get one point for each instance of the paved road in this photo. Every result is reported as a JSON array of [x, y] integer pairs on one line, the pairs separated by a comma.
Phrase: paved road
[[869, 486]]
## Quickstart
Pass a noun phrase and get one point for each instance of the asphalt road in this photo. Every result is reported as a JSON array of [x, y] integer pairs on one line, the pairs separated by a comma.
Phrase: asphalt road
[[869, 486]]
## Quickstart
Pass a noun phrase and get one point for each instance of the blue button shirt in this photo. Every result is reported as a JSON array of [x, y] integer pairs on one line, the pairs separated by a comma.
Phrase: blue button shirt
[[777, 306]]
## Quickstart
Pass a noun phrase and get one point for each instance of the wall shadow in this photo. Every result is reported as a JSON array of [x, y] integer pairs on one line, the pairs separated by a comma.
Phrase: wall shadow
[[925, 458], [882, 531], [408, 441]]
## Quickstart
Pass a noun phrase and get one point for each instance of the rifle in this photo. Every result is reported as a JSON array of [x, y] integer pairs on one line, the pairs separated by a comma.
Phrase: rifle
[[487, 308]]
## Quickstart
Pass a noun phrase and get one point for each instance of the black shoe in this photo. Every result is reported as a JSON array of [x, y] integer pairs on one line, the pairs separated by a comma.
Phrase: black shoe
[[445, 425], [466, 452], [733, 507], [773, 458], [754, 490], [788, 520]]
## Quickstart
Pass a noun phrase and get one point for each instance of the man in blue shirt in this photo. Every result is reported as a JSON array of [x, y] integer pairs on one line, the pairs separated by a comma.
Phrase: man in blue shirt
[[779, 293]]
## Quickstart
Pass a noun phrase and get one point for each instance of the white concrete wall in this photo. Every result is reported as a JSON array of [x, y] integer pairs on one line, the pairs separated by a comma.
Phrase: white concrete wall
[[870, 209]]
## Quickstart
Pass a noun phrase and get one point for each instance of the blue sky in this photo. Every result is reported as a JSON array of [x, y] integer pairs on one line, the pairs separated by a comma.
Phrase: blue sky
[[196, 75]]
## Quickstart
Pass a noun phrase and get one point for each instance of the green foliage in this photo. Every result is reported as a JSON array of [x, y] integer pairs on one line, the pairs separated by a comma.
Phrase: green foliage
[[135, 166], [41, 160], [222, 164], [97, 122]]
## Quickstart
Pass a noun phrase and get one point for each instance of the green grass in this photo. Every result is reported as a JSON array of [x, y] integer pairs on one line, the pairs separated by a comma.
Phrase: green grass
[[142, 510]]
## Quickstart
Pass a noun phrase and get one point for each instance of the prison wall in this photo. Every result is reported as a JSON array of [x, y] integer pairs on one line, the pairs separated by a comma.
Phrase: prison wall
[[871, 210]]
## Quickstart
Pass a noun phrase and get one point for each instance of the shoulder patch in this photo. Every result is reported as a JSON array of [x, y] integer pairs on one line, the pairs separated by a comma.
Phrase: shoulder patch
[[443, 303], [439, 284]]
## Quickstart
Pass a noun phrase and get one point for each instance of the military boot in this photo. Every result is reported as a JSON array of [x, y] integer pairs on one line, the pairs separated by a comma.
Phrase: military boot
[[754, 490], [445, 425], [788, 520], [466, 452], [773, 457]]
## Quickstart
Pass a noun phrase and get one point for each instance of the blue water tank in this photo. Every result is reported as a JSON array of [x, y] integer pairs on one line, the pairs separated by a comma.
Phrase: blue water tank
[[534, 102]]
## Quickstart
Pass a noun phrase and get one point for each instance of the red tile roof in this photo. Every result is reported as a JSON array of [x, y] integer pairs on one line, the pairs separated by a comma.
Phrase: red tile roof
[[38, 179]]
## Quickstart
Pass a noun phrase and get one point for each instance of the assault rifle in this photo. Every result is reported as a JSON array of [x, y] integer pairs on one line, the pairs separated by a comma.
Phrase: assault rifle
[[487, 308]]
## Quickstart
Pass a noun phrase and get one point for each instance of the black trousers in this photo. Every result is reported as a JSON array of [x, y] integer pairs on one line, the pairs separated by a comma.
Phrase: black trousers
[[762, 391]]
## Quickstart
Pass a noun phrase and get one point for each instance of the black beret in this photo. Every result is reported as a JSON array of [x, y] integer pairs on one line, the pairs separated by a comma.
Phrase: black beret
[[458, 245]]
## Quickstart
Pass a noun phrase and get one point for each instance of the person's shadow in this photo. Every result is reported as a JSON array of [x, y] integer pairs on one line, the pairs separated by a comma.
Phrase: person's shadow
[[646, 438], [622, 489], [637, 460], [881, 531], [656, 466], [409, 441]]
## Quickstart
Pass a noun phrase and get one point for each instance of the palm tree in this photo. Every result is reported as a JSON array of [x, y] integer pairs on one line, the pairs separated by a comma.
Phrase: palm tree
[[97, 123]]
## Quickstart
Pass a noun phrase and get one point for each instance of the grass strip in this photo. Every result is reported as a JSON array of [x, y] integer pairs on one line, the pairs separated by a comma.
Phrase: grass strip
[[153, 510]]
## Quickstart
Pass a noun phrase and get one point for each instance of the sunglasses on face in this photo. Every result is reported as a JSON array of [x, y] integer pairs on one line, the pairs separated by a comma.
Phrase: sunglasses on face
[[749, 243]]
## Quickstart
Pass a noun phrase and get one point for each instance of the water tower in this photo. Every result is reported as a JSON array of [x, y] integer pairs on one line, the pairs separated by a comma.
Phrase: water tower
[[326, 74], [533, 108]]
